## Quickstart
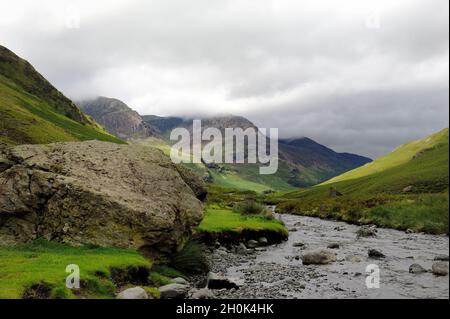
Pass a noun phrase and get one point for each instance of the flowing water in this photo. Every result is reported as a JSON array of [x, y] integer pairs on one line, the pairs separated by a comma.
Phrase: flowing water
[[277, 271]]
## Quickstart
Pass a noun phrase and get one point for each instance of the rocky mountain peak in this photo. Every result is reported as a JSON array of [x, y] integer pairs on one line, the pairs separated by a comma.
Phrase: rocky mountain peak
[[117, 117]]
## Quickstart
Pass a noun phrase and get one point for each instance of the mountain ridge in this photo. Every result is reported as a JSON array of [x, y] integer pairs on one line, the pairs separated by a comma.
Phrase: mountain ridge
[[300, 165], [117, 117]]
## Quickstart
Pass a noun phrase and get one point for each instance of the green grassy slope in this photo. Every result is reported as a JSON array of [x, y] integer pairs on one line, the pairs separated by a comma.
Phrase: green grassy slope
[[400, 156], [46, 262], [422, 164], [33, 111], [407, 188]]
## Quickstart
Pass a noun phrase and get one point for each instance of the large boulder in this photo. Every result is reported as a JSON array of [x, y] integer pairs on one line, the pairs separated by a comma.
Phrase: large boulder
[[195, 182], [96, 193]]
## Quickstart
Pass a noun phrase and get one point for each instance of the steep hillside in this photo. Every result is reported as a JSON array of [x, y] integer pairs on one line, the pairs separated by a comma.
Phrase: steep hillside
[[411, 155], [407, 188], [33, 111], [117, 118]]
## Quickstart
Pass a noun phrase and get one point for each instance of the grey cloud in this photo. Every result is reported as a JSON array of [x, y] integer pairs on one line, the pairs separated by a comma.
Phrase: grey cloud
[[368, 123], [311, 68]]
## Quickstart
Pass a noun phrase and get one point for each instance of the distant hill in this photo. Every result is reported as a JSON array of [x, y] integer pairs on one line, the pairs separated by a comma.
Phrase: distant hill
[[163, 124], [407, 188], [117, 118], [413, 163], [33, 111], [421, 166], [327, 163], [303, 162]]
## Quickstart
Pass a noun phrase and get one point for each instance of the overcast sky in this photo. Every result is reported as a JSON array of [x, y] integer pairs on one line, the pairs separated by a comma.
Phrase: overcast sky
[[358, 76]]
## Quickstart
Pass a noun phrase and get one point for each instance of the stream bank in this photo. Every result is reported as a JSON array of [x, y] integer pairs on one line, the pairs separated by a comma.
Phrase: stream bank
[[278, 272]]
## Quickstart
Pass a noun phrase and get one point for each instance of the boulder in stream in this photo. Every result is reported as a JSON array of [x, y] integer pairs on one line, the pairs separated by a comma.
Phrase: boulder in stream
[[174, 291], [375, 253], [440, 268], [366, 231], [321, 257], [416, 269]]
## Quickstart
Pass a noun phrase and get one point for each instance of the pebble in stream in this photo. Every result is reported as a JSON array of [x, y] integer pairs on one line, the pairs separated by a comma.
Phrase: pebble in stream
[[277, 271]]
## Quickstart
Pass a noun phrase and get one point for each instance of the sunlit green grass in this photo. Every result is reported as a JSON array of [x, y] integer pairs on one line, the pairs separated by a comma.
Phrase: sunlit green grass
[[427, 213], [401, 155], [43, 261], [223, 220]]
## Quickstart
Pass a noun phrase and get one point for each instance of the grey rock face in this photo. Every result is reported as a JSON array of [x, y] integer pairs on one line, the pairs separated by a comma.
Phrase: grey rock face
[[117, 118], [133, 293], [95, 193]]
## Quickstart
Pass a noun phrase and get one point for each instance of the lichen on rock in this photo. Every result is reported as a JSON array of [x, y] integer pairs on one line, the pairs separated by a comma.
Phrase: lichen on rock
[[96, 193]]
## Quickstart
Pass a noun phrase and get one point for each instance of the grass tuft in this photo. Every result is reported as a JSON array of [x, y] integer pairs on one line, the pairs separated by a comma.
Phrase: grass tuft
[[190, 260]]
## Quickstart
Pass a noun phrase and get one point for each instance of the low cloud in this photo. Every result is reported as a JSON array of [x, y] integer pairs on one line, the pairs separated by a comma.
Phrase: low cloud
[[358, 76]]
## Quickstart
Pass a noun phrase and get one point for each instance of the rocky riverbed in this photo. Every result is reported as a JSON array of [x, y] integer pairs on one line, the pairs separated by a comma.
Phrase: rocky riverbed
[[278, 271]]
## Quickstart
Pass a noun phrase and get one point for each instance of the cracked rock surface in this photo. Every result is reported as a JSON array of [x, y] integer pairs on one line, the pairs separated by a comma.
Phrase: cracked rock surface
[[96, 193]]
